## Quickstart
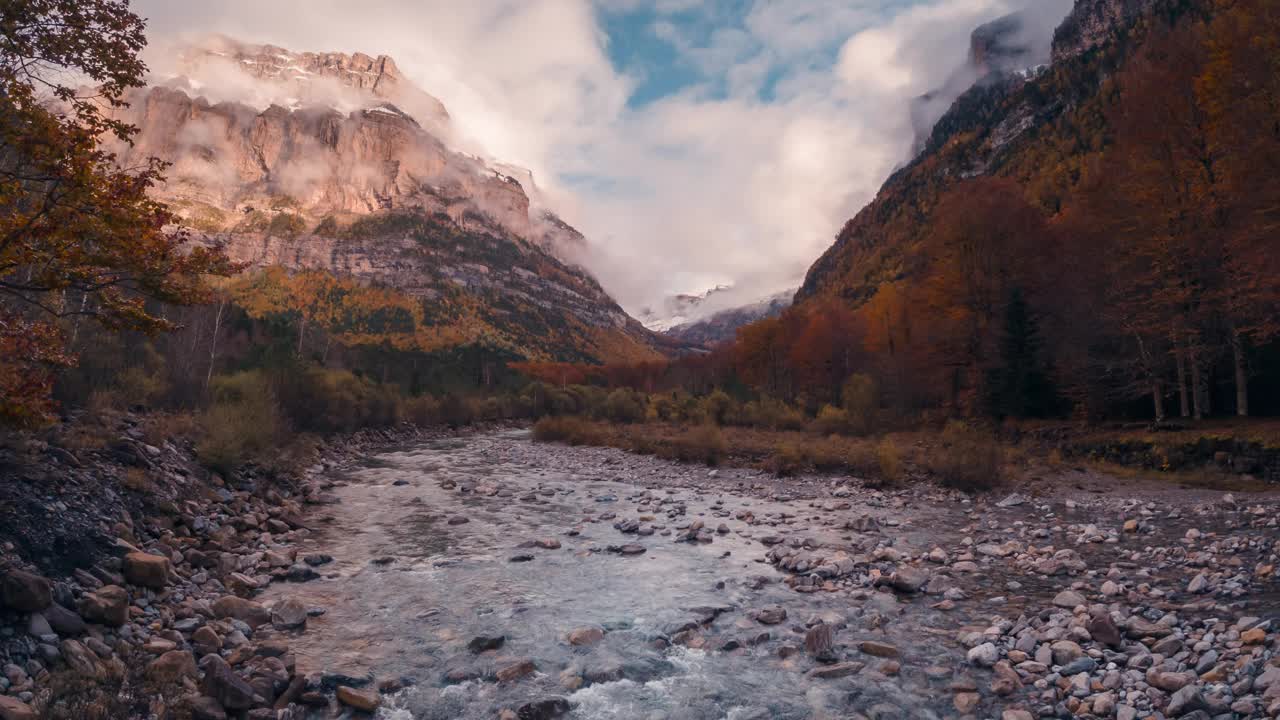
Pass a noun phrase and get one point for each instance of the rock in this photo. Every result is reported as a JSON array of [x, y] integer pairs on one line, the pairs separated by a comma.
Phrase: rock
[[1013, 500], [520, 558], [301, 572], [1186, 700], [108, 605], [585, 635], [879, 649], [1256, 636], [820, 642], [317, 559], [772, 615], [840, 670], [246, 611], [984, 655], [908, 579], [12, 708], [64, 621], [173, 666], [1069, 599], [1016, 715], [1103, 630], [205, 640], [222, 684], [362, 700], [25, 592], [966, 702], [515, 670], [459, 520], [289, 614], [547, 543], [481, 643], [1169, 682], [146, 570], [546, 709], [1198, 584], [1168, 646], [1065, 652]]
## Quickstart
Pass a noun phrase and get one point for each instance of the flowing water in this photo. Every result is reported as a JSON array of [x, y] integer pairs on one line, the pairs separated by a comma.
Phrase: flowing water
[[408, 591]]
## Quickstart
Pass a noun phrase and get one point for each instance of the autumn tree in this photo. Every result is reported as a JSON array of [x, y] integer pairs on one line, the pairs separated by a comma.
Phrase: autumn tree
[[79, 236]]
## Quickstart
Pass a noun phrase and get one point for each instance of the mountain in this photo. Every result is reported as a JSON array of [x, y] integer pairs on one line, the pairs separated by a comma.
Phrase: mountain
[[336, 164], [1032, 126], [722, 326]]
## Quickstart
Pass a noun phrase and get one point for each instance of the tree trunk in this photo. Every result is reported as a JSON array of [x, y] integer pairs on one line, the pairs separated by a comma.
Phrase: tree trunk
[[213, 342], [1197, 410], [1242, 375], [1184, 401], [1157, 395]]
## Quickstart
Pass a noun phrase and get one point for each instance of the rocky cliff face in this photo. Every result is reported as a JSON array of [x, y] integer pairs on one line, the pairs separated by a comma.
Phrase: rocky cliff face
[[1014, 124], [722, 326], [315, 161]]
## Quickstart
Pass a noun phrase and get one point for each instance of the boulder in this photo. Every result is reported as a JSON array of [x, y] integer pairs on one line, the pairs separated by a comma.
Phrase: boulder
[[1069, 599], [25, 592], [589, 635], [546, 709], [64, 621], [820, 642], [247, 611], [173, 666], [108, 605], [289, 614], [516, 670], [222, 684], [362, 700], [879, 649], [147, 570]]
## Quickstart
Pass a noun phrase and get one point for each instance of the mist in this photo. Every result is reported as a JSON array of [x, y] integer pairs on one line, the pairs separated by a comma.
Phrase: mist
[[740, 178]]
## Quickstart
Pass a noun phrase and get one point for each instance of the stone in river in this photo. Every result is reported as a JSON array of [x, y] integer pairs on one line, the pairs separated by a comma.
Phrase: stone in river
[[481, 643], [984, 655], [459, 520], [546, 709], [515, 670], [289, 614], [820, 642], [833, 672], [520, 558], [547, 543], [628, 549], [362, 700], [585, 635], [878, 649], [772, 615]]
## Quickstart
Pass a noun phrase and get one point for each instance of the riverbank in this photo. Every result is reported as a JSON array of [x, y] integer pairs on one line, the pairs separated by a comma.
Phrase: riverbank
[[124, 561]]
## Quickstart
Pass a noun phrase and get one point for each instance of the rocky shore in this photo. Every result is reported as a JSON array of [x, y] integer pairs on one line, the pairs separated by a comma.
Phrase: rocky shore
[[128, 572]]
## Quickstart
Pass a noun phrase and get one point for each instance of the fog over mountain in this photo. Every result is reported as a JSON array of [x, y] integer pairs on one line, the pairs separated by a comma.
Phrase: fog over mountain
[[729, 153]]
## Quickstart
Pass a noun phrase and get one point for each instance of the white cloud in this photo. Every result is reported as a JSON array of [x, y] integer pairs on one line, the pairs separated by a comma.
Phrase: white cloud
[[711, 185]]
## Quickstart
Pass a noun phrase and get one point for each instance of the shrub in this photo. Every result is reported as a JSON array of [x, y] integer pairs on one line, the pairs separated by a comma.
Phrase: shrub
[[286, 225], [716, 407], [568, 430], [326, 401], [704, 443], [456, 412], [889, 461], [967, 458], [861, 400], [831, 420], [789, 459], [242, 424], [624, 406], [421, 411]]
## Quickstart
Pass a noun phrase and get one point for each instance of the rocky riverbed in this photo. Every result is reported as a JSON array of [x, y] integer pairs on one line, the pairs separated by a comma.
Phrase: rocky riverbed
[[485, 576]]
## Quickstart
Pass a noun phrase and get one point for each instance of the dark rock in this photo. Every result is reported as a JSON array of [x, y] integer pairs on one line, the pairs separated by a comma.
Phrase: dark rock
[[546, 709], [25, 592], [481, 643]]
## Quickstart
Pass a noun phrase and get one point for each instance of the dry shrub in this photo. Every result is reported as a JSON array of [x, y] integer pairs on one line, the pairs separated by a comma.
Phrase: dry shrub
[[704, 443], [967, 458], [789, 459], [569, 430], [157, 428], [889, 461], [861, 397], [244, 423], [831, 420]]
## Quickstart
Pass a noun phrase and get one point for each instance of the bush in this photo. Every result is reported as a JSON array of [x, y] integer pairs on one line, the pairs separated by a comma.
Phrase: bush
[[967, 458], [861, 400], [716, 407], [624, 406], [768, 414], [831, 420], [704, 443], [326, 401], [568, 430], [789, 459], [889, 461], [243, 424]]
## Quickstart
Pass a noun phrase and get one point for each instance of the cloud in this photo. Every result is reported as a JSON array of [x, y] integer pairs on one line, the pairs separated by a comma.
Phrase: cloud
[[797, 111]]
